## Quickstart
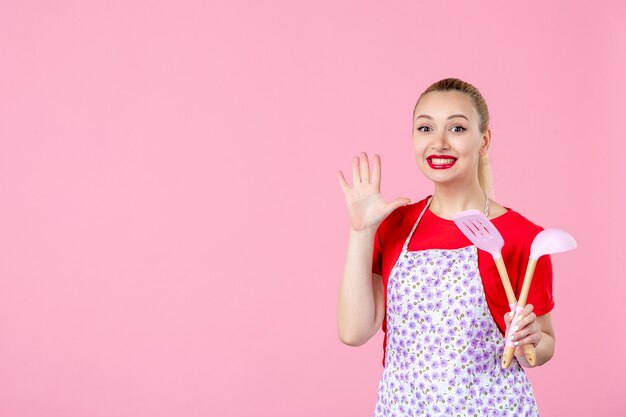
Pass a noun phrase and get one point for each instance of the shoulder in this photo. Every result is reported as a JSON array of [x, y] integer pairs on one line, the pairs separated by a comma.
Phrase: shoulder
[[516, 228], [523, 222]]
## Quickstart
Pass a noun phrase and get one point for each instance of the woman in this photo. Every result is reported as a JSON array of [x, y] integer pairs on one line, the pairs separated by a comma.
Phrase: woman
[[439, 299]]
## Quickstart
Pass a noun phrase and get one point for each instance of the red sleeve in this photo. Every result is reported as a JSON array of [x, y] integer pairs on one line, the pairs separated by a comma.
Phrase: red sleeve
[[377, 260], [385, 235]]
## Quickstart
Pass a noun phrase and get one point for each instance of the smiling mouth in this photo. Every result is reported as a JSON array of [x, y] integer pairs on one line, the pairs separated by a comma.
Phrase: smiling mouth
[[441, 163]]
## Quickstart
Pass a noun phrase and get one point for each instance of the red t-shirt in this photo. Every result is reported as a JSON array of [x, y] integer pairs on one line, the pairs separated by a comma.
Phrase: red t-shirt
[[434, 232]]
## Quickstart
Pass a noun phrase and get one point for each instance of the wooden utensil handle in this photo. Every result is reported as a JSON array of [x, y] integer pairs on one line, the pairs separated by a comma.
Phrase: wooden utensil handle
[[506, 282], [507, 357], [528, 278], [529, 353], [529, 349]]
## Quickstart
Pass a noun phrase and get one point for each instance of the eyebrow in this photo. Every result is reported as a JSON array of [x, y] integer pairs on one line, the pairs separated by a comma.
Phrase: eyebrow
[[451, 117]]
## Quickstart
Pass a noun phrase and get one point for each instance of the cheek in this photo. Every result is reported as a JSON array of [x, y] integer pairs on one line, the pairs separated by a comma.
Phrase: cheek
[[419, 148]]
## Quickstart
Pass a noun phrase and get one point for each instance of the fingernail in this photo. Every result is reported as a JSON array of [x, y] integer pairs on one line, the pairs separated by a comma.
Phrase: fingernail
[[515, 343], [512, 338], [518, 318], [515, 328]]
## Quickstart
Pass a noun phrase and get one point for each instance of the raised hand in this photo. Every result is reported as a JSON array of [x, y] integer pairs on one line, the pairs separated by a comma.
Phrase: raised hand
[[366, 206]]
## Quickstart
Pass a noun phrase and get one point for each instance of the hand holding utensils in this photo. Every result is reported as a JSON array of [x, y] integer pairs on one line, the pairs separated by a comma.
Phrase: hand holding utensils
[[482, 233]]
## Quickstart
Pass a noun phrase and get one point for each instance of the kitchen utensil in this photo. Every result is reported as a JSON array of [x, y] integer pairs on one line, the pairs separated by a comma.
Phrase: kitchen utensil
[[548, 241], [482, 233]]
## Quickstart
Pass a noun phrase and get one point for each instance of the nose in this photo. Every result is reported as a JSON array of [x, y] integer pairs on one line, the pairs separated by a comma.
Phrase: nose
[[440, 142]]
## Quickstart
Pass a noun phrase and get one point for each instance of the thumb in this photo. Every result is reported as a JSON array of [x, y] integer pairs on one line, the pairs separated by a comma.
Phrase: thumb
[[508, 316], [398, 202]]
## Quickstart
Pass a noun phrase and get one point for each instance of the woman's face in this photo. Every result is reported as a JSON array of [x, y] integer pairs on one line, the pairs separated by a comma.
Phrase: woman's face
[[446, 125]]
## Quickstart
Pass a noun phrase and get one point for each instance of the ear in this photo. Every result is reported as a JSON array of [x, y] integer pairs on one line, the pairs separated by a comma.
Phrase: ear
[[486, 141]]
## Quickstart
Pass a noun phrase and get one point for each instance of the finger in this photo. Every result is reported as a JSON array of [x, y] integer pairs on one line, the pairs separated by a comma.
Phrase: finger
[[507, 320], [522, 333], [523, 327], [533, 339], [342, 182], [508, 316], [356, 175], [526, 331], [376, 172], [365, 168], [398, 202], [525, 320], [528, 308]]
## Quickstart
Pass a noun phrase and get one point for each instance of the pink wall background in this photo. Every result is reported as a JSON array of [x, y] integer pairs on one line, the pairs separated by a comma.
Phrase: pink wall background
[[172, 232]]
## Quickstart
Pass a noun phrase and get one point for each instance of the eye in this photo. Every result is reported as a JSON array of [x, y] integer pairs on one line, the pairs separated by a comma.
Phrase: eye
[[460, 127], [421, 127]]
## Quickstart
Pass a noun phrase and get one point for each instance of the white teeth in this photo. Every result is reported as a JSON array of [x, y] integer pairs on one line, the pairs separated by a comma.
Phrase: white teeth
[[439, 161]]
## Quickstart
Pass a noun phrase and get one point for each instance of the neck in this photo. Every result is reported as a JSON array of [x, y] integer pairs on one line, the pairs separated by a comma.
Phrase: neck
[[449, 199]]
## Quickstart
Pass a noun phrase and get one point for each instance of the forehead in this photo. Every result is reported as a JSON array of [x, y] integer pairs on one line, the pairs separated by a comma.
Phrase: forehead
[[441, 104]]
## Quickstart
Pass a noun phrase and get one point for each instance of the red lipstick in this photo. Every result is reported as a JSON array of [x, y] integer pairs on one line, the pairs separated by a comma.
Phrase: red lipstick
[[433, 165]]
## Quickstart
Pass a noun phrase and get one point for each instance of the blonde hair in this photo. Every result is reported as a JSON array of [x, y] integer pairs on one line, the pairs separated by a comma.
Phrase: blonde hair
[[446, 84]]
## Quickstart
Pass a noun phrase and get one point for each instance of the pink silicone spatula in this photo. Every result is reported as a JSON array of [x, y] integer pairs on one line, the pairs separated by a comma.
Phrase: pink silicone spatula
[[482, 233]]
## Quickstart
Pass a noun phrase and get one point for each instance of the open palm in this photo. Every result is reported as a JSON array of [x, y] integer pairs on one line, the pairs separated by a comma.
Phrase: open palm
[[366, 206]]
